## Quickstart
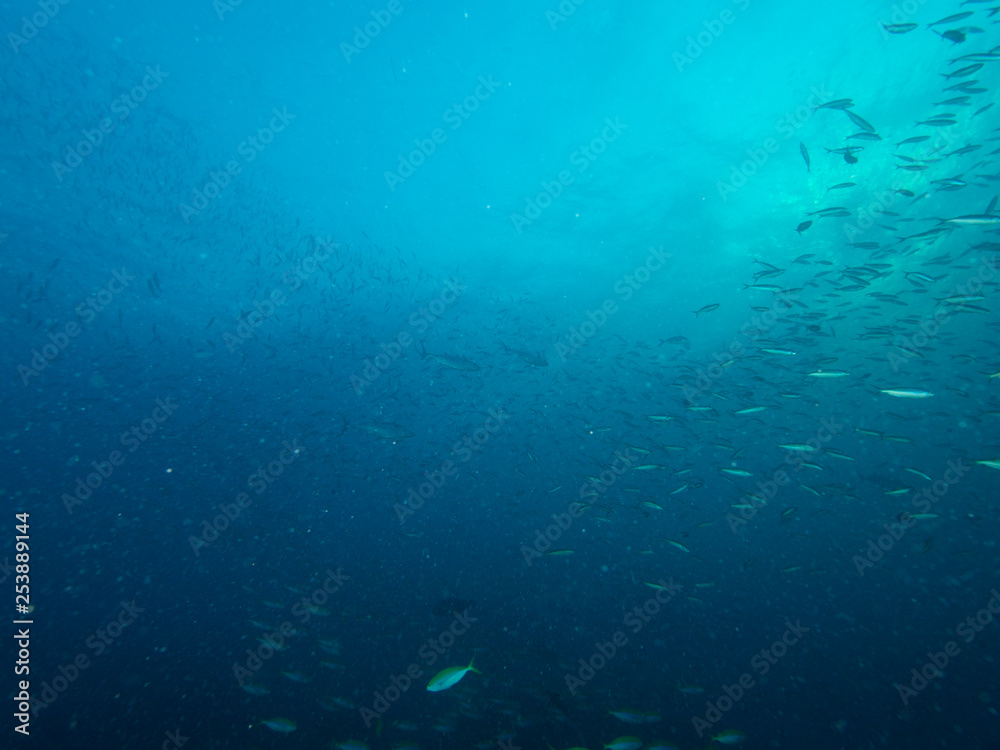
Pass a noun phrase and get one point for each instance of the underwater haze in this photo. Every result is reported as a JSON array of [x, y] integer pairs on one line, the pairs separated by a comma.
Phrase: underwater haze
[[400, 375]]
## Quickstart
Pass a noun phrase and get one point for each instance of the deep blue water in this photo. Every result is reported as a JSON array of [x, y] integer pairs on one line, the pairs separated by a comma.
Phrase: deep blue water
[[326, 327]]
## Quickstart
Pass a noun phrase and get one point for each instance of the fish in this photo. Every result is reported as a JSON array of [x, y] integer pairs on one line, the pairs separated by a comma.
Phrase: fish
[[737, 472], [382, 430], [629, 716], [993, 463], [678, 545], [906, 392], [837, 104], [451, 362], [729, 737], [690, 689], [451, 606], [952, 18], [984, 220], [254, 689], [706, 308], [282, 726], [841, 186], [968, 70], [799, 447], [860, 121], [448, 677], [626, 742], [899, 28], [801, 228], [805, 155], [535, 360], [828, 374]]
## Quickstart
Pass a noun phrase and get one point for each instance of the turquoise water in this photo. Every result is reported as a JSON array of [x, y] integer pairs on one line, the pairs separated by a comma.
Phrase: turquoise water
[[642, 357]]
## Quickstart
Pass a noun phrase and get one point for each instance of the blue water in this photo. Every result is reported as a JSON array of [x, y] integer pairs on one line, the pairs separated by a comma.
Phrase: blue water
[[326, 327]]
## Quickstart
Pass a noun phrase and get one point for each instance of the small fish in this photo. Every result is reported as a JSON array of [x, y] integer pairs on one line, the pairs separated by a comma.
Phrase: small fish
[[799, 447], [706, 308], [678, 545], [952, 19], [624, 743], [737, 472], [860, 121], [448, 677], [805, 154], [451, 362], [284, 726], [841, 186], [729, 737], [899, 28], [751, 410], [993, 463], [906, 392], [968, 70], [690, 689], [837, 104], [254, 689], [828, 374], [629, 716], [803, 226]]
